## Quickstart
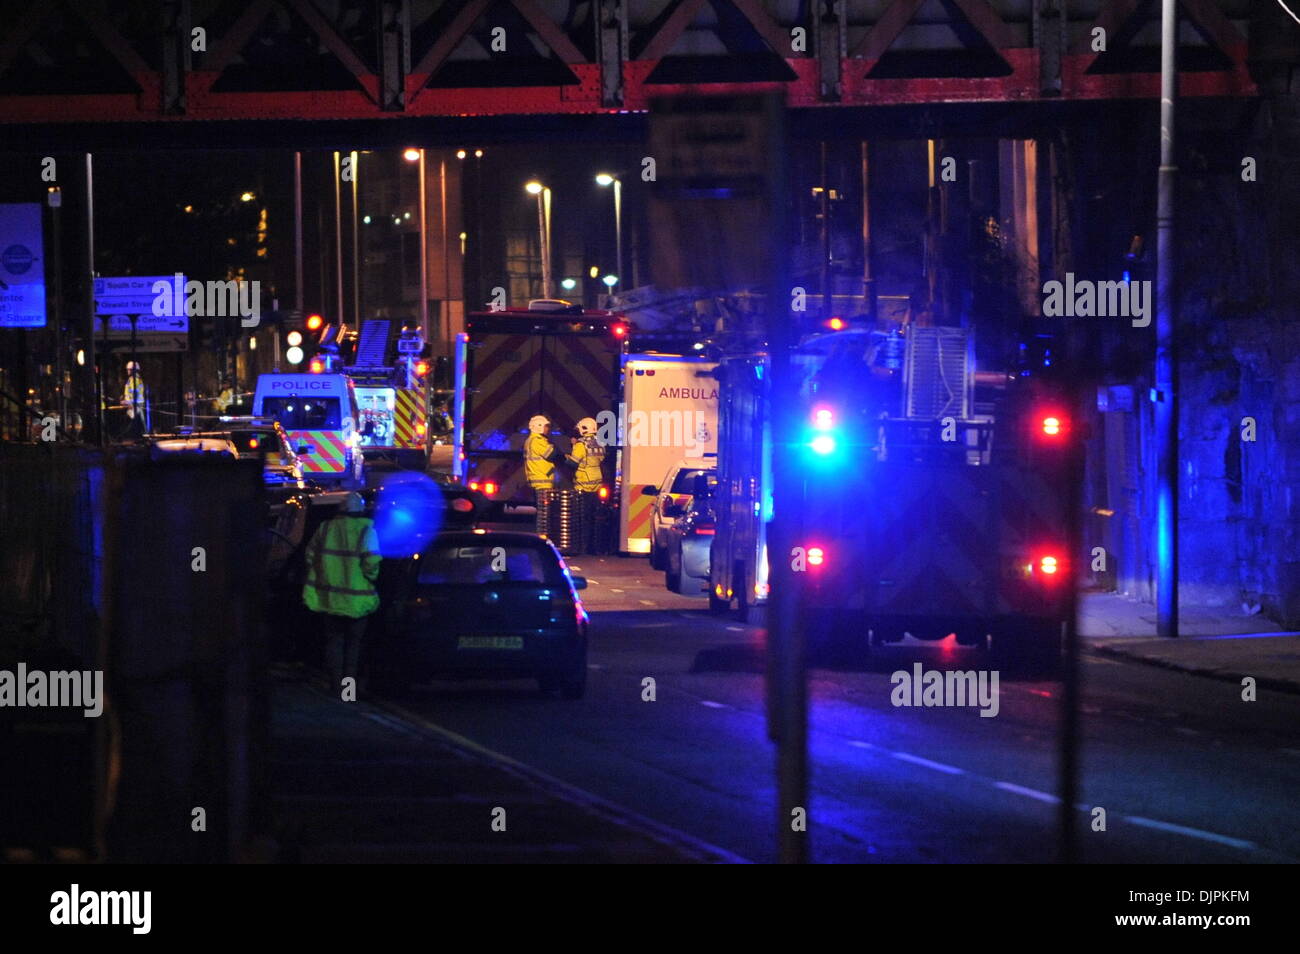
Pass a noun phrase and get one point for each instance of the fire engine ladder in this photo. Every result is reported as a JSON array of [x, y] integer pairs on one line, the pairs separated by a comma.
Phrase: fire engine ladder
[[372, 343], [938, 372]]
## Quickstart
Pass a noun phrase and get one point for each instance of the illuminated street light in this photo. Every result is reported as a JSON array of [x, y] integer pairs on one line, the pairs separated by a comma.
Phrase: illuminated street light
[[569, 284], [460, 153], [247, 197], [610, 281], [533, 187], [605, 179], [411, 155]]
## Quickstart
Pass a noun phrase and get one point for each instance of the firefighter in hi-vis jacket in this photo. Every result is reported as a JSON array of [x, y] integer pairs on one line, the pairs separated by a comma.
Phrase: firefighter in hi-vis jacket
[[539, 468], [587, 454]]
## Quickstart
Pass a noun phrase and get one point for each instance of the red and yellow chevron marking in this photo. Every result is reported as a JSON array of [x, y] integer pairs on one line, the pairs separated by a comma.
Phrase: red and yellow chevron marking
[[329, 452], [638, 516], [579, 377], [408, 414], [505, 367]]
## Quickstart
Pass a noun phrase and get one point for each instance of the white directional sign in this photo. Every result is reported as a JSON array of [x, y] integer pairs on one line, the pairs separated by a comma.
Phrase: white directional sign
[[22, 266], [129, 295], [147, 323]]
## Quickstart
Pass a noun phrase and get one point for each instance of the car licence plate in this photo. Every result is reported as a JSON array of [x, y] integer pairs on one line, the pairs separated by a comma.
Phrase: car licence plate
[[490, 642]]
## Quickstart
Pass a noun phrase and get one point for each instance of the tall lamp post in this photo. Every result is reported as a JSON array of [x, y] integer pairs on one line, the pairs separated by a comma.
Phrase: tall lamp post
[[606, 179], [417, 155], [543, 230]]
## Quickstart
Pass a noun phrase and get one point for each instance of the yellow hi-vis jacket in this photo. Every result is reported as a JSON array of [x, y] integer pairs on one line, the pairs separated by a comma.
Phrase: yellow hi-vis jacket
[[133, 395], [587, 453], [539, 469], [342, 565]]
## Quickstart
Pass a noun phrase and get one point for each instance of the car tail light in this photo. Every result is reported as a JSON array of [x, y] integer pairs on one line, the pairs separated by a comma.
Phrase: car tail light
[[1050, 425], [489, 488], [1047, 567], [816, 556], [473, 485], [704, 530], [603, 493], [461, 505]]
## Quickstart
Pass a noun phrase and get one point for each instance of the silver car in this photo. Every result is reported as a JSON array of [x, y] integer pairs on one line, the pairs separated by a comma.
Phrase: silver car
[[687, 541]]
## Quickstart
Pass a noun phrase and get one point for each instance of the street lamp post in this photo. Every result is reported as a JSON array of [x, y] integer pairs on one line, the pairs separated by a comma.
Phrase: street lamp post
[[605, 179], [417, 155], [543, 230]]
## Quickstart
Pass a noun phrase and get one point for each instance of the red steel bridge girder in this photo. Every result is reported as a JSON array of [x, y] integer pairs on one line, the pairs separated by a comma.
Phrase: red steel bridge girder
[[590, 93]]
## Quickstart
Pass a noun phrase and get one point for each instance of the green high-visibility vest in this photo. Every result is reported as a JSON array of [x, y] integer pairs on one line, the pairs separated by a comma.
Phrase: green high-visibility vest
[[342, 565]]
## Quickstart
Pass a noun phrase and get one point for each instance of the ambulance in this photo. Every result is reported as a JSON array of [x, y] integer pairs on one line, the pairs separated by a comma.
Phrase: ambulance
[[319, 412], [669, 412]]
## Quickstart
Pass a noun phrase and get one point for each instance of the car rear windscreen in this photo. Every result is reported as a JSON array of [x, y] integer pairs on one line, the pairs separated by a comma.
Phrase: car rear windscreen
[[304, 413], [684, 482], [487, 565]]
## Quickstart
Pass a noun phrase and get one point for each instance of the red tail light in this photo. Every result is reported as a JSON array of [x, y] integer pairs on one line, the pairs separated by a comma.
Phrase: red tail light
[[1047, 567], [317, 366], [473, 485], [704, 531], [618, 331], [1050, 425], [603, 493], [489, 488], [816, 556]]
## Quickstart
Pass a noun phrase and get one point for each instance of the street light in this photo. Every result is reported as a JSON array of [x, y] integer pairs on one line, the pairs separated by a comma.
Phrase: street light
[[417, 155], [605, 179], [543, 194]]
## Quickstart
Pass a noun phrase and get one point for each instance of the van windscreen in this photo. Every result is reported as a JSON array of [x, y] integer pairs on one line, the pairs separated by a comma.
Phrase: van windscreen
[[304, 412]]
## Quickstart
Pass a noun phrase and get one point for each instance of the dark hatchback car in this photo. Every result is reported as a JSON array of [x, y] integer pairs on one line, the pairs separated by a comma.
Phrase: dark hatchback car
[[483, 604]]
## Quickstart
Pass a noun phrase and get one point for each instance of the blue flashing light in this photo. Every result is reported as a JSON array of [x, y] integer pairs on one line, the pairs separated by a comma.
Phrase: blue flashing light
[[823, 444], [1127, 277]]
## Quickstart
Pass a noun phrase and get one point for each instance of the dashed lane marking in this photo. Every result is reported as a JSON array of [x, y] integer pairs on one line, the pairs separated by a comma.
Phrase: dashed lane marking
[[1028, 792], [714, 705], [926, 763], [1191, 832]]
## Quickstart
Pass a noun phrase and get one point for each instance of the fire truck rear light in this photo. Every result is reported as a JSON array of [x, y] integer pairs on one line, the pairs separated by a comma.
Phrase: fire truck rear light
[[816, 556], [823, 418], [603, 493], [1051, 426], [1047, 565], [489, 488]]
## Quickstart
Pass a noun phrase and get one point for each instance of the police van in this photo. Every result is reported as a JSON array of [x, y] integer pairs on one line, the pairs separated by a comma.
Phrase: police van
[[319, 413]]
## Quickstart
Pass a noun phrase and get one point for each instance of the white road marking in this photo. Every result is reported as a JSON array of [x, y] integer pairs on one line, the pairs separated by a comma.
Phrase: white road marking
[[735, 629], [1186, 731], [1101, 660], [595, 666], [1191, 832], [1028, 792], [937, 766], [615, 589], [646, 602], [714, 705], [649, 625], [863, 745]]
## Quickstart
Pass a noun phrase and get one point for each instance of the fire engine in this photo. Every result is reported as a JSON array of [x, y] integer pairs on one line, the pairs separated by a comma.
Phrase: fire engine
[[934, 500], [551, 358]]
